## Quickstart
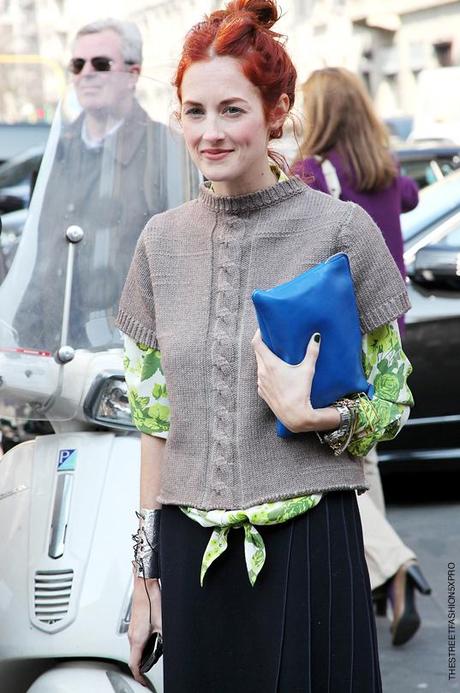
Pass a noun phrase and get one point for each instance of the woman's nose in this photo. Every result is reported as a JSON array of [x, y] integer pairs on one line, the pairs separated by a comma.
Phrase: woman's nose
[[213, 132]]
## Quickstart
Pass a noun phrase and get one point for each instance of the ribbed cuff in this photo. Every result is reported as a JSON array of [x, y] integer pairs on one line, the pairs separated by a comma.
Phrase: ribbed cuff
[[387, 312], [134, 329]]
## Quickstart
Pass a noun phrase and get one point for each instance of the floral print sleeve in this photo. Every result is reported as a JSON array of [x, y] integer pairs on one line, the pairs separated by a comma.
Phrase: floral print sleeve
[[387, 368], [147, 393]]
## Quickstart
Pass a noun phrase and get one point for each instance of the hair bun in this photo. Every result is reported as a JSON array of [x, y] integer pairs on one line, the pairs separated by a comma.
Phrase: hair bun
[[265, 12]]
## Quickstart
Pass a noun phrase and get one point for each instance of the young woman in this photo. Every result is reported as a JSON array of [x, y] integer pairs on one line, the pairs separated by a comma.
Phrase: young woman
[[283, 603], [346, 153]]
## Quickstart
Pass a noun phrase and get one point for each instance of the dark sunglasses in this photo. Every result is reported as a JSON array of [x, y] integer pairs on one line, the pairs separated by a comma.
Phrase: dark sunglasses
[[100, 64]]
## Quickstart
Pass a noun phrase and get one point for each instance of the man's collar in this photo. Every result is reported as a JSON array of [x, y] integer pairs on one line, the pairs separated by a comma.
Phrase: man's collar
[[93, 143], [130, 133]]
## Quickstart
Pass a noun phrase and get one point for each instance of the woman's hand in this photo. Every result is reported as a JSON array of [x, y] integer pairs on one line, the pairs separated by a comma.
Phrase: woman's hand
[[287, 389], [140, 627]]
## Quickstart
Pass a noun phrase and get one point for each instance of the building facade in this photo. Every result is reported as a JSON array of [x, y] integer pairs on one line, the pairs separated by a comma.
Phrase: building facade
[[388, 43]]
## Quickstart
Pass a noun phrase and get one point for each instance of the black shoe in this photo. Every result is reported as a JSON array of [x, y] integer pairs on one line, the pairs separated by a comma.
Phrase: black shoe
[[418, 578], [401, 592]]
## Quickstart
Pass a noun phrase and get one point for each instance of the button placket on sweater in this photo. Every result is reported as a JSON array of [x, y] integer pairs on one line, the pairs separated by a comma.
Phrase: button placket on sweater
[[224, 356]]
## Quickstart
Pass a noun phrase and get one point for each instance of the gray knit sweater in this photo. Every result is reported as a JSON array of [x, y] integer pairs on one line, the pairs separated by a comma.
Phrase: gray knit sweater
[[188, 292]]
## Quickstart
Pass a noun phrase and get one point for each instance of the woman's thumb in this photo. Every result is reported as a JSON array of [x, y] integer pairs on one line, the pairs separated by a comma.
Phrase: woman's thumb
[[312, 352]]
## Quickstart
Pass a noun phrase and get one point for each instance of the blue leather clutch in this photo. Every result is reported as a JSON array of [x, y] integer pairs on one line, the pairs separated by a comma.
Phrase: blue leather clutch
[[322, 299]]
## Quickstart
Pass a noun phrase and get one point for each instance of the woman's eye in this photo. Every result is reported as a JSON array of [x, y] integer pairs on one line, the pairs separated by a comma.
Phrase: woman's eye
[[194, 111], [233, 110]]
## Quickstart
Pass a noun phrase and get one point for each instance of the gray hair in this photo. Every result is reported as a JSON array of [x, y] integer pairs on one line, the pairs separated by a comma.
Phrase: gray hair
[[131, 39]]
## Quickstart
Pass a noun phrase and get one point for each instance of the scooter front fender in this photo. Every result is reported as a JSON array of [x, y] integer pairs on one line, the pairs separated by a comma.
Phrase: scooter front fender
[[86, 676]]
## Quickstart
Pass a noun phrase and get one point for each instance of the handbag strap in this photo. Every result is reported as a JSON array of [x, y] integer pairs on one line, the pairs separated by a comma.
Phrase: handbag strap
[[331, 177]]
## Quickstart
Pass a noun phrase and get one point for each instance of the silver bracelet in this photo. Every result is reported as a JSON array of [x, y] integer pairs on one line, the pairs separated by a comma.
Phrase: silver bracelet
[[147, 544], [339, 439]]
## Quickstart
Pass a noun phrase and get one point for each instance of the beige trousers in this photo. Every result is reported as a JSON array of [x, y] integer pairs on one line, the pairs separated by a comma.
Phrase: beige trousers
[[384, 550]]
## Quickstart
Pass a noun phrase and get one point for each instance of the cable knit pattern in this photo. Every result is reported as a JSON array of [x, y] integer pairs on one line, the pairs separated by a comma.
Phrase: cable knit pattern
[[224, 357], [188, 293]]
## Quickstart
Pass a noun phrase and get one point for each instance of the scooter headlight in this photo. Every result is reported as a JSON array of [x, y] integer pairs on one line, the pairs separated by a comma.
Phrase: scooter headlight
[[107, 402]]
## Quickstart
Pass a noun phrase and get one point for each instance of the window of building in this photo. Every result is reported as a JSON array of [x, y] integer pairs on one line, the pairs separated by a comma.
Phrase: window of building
[[443, 52]]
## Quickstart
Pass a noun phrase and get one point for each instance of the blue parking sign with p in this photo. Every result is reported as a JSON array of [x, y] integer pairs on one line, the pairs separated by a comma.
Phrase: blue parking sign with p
[[67, 460]]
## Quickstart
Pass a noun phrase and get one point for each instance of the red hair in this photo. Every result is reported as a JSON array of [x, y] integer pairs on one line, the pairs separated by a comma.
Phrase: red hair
[[243, 31]]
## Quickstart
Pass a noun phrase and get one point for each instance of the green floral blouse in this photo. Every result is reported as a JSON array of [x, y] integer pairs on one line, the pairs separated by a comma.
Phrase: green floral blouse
[[385, 366]]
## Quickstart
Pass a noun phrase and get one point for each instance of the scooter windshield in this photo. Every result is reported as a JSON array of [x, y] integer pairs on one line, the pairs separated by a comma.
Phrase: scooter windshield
[[113, 160]]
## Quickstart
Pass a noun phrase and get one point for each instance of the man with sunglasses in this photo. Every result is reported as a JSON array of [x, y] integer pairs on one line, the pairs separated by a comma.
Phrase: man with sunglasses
[[108, 177], [105, 65]]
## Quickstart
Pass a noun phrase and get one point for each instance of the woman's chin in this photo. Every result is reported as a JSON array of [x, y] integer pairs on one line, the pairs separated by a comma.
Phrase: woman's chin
[[218, 174]]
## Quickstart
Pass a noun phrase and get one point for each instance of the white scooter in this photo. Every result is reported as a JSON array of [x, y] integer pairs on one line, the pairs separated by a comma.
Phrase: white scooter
[[67, 499]]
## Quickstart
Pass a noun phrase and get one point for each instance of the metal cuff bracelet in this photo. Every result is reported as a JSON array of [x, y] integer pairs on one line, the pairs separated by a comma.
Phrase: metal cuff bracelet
[[147, 544]]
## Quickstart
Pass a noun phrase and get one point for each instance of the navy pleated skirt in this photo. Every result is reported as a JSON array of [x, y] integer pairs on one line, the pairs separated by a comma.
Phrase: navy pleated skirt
[[307, 626]]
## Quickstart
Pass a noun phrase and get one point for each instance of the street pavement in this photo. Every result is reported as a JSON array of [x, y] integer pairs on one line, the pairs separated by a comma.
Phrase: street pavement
[[432, 530]]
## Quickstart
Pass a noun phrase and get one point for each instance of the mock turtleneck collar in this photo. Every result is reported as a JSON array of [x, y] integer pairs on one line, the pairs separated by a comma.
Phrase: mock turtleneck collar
[[239, 204]]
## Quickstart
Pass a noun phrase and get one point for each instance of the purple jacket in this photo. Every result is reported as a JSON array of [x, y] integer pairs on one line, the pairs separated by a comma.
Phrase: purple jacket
[[383, 206]]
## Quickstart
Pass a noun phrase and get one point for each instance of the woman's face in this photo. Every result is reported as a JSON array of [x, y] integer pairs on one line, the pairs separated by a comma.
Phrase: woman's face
[[224, 126]]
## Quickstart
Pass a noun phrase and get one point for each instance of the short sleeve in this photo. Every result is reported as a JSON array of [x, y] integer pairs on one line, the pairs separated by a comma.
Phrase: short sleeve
[[380, 290], [136, 313]]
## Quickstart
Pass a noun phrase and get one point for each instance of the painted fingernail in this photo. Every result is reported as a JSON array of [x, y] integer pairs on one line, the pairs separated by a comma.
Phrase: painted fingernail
[[317, 337]]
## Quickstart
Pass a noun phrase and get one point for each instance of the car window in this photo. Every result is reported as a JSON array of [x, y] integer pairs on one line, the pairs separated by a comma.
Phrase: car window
[[448, 165], [420, 171]]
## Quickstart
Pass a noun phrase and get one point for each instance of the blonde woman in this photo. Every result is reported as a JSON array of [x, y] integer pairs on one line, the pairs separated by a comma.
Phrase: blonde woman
[[345, 152]]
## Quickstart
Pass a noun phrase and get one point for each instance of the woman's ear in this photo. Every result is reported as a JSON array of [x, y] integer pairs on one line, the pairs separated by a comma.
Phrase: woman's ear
[[279, 113]]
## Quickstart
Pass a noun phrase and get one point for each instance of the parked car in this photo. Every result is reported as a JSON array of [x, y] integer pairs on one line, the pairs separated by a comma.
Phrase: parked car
[[428, 162], [16, 137], [17, 180], [431, 438], [17, 177]]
